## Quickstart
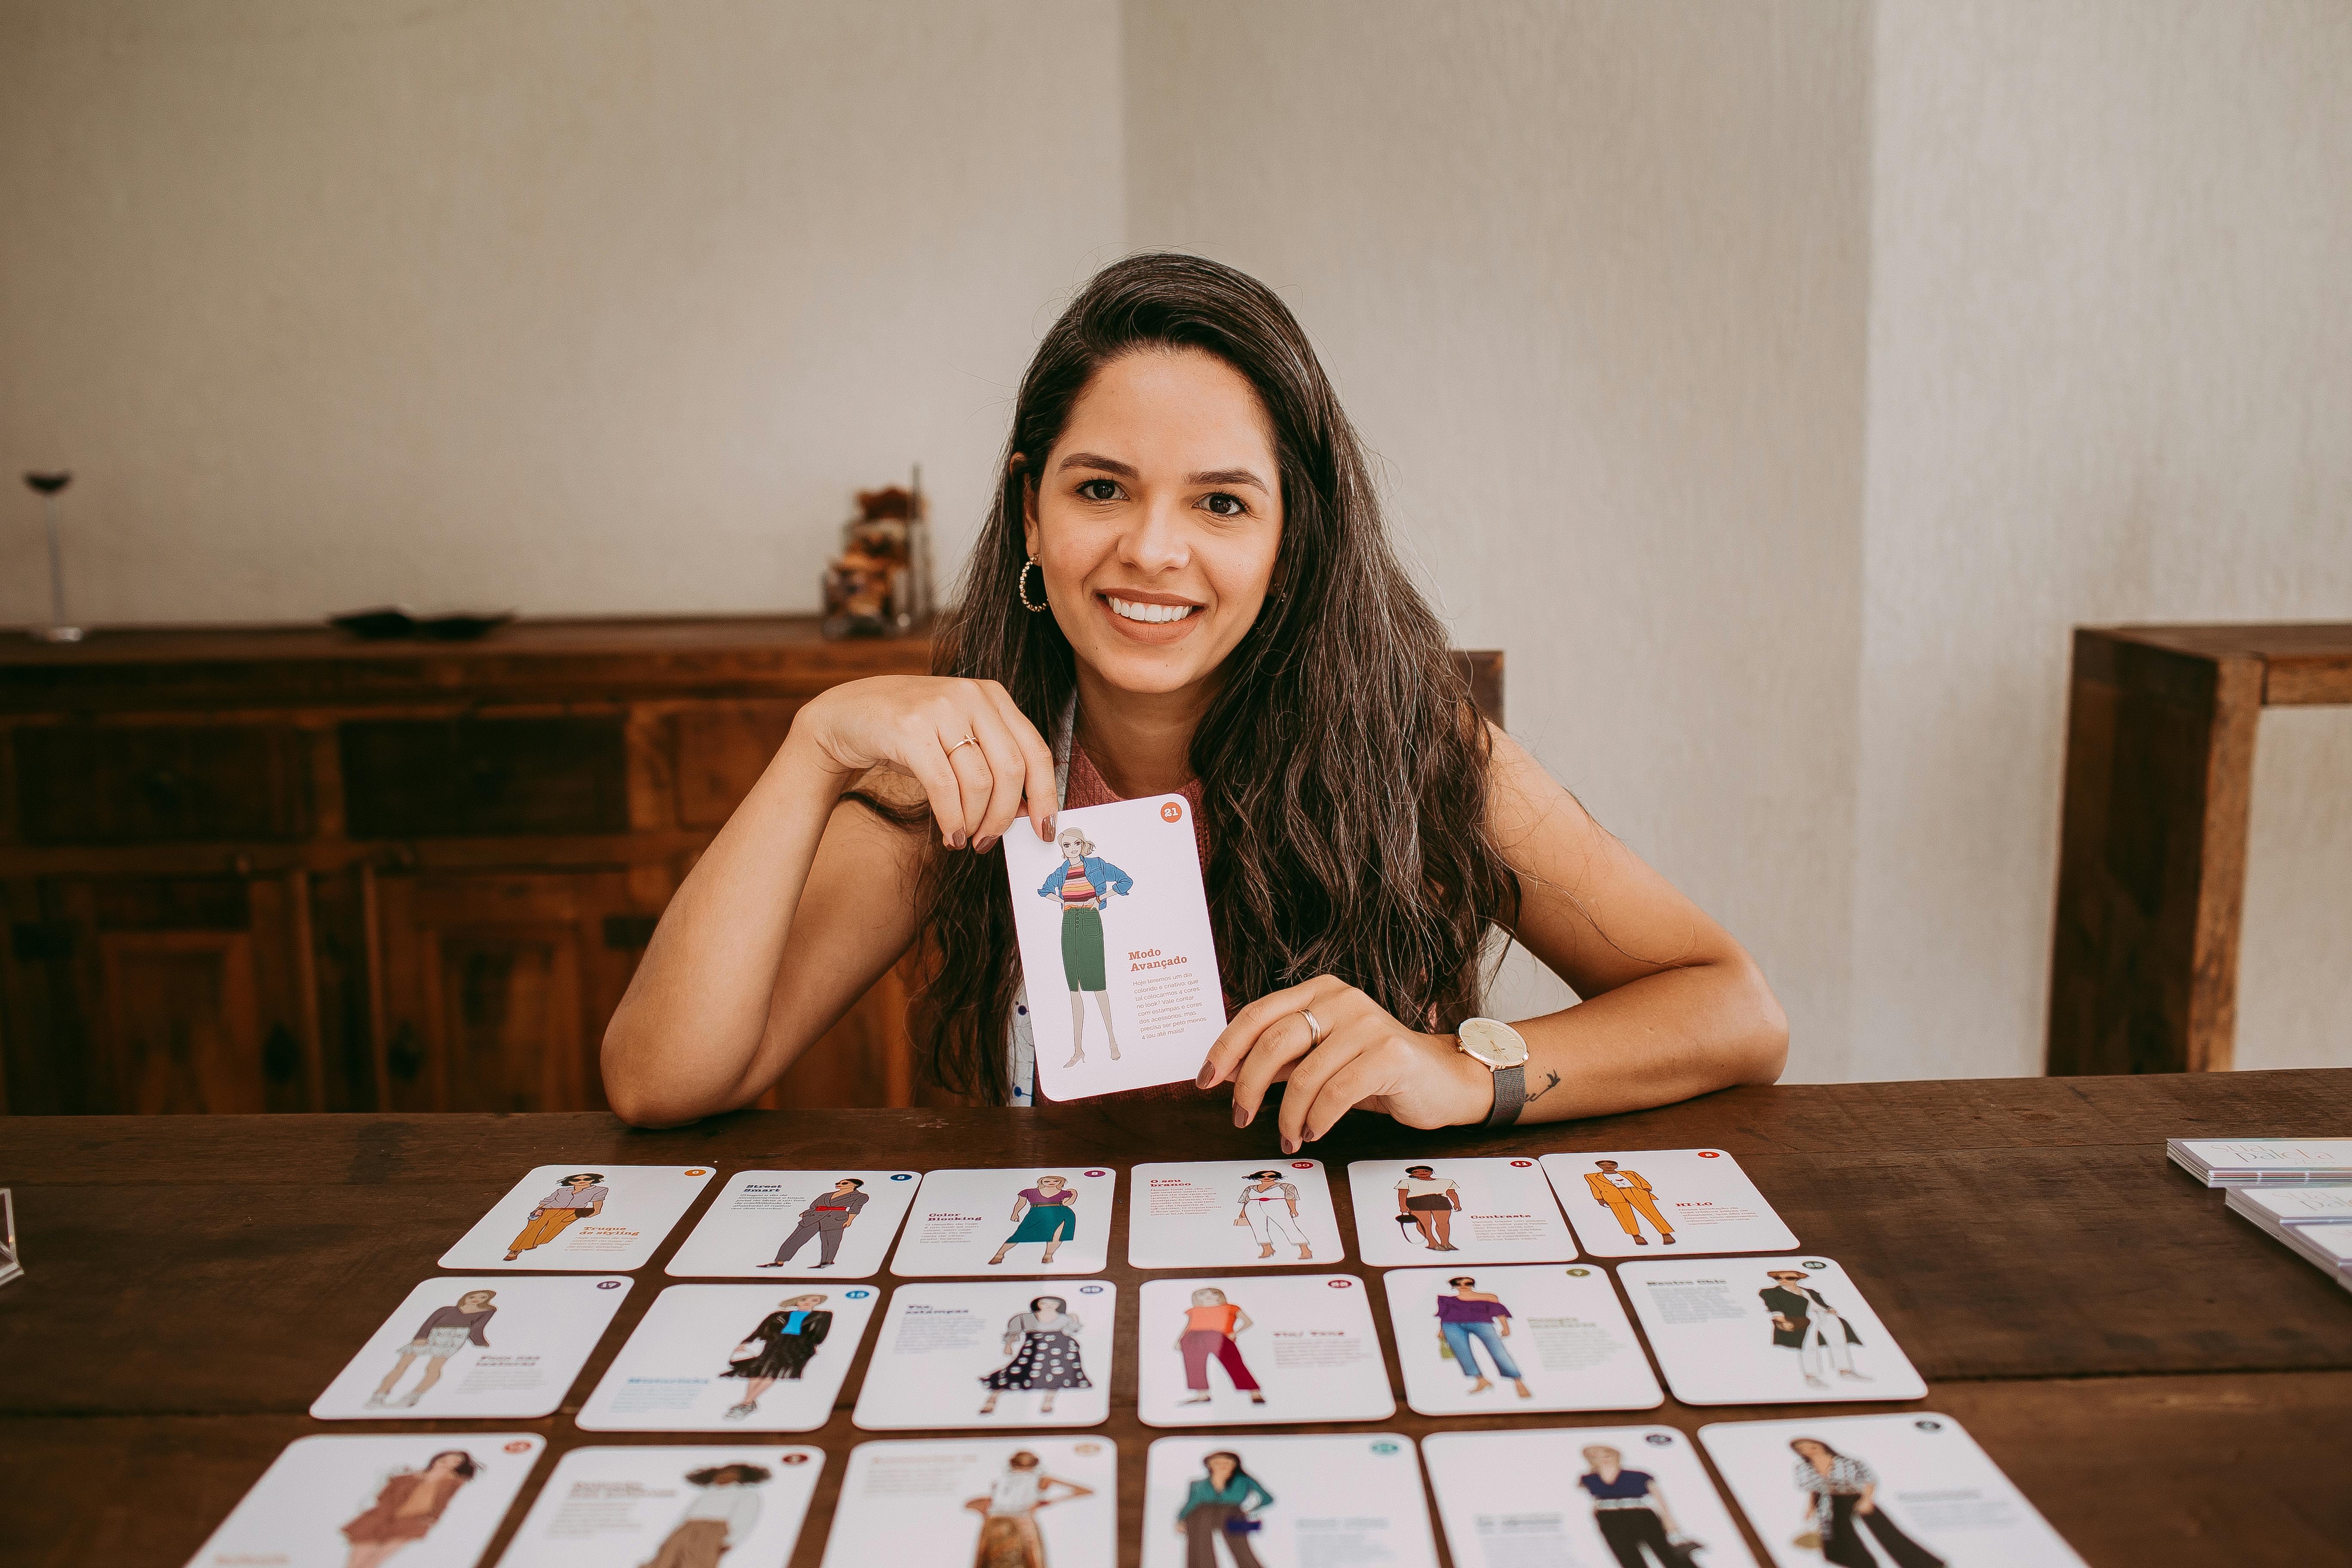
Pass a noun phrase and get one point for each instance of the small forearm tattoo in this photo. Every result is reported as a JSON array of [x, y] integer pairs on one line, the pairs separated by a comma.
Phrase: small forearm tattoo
[[1547, 1089]]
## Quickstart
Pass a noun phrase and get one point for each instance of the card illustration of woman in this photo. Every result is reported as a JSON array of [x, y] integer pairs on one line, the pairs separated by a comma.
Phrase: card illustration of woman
[[1222, 1504], [1047, 1213], [1270, 1208], [1210, 1325], [725, 1511], [1085, 884], [1804, 1322], [409, 1506], [1841, 1501], [445, 1332], [826, 1220], [1472, 1317], [1008, 1514], [1630, 1508], [581, 1193], [1043, 1344], [1427, 1202], [1626, 1194], [779, 1349]]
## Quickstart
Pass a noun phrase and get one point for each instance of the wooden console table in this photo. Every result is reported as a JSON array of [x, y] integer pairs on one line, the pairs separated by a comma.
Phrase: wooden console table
[[2152, 865]]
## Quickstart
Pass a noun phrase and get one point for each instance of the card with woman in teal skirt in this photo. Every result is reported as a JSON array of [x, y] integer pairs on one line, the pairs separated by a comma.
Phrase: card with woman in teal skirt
[[1047, 1213], [1084, 883]]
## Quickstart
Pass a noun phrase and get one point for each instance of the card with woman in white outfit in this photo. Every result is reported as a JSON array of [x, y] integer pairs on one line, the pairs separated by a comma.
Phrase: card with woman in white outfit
[[1231, 1214]]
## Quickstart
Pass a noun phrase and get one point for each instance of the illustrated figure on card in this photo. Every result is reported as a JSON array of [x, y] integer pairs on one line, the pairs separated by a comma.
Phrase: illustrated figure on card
[[823, 1222], [1841, 1502], [583, 1193], [1221, 1505], [1008, 1513], [1471, 1317], [445, 1332], [1428, 1202], [1085, 884], [1043, 1344], [1211, 1325], [1630, 1509], [779, 1350], [1626, 1194], [407, 1507], [1270, 1208], [1047, 1213], [1804, 1322], [724, 1512]]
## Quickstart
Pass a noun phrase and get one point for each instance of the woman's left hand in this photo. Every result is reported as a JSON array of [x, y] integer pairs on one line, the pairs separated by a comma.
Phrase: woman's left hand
[[1364, 1057]]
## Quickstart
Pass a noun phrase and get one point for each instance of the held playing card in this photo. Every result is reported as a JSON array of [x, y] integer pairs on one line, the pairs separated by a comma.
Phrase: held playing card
[[992, 1352], [1766, 1331], [474, 1347], [1024, 1219], [1912, 1488], [621, 1508], [1231, 1214], [1261, 1502], [1641, 1202], [436, 1497], [1579, 1497], [585, 1218], [992, 1500], [1119, 964], [708, 1358], [1516, 1338], [1261, 1348], [797, 1225], [1446, 1210]]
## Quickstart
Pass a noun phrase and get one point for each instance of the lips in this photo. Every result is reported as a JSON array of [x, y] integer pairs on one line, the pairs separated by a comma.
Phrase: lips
[[1147, 613]]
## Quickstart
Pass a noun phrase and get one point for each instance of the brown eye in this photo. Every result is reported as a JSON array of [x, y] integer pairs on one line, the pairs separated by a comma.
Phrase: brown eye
[[1224, 505], [1098, 489]]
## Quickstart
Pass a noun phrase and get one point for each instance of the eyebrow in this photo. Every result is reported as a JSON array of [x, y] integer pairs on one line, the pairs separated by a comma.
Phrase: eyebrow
[[1129, 471]]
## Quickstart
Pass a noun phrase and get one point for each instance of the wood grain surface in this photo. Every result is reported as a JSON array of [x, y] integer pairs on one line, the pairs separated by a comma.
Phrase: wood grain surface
[[2164, 1382]]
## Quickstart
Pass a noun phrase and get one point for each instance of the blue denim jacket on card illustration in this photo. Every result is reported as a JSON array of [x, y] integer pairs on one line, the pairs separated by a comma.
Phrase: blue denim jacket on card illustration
[[1105, 878]]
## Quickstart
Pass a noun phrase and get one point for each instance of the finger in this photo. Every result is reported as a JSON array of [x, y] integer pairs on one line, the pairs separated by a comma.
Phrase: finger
[[1281, 1045], [1339, 1047], [1039, 790], [974, 779], [1359, 1081], [928, 764], [1239, 1035], [1005, 773]]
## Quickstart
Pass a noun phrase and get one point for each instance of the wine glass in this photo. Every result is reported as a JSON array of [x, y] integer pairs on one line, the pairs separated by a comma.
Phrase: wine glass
[[46, 483]]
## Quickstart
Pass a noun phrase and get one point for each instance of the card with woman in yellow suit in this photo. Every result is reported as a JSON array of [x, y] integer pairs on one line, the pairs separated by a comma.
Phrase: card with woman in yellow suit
[[1626, 1203]]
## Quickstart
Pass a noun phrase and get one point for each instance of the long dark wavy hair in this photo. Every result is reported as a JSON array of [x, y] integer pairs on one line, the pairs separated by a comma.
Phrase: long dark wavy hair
[[1342, 764]]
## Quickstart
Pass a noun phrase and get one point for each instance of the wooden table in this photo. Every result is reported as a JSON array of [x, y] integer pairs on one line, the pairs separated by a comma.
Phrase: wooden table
[[2152, 861], [2166, 1383]]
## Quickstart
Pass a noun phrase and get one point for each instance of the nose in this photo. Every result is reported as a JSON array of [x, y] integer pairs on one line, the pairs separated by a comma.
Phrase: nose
[[1158, 541]]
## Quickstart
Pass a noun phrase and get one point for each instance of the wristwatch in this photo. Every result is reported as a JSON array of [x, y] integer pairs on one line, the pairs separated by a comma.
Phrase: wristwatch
[[1497, 1046]]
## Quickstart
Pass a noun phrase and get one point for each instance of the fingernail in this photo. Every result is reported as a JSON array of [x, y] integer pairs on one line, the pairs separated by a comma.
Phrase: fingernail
[[1290, 1145], [982, 845], [1208, 1076], [1241, 1117]]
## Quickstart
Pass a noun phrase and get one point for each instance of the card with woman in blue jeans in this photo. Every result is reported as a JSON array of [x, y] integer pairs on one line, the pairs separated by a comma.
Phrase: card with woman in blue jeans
[[1473, 1315]]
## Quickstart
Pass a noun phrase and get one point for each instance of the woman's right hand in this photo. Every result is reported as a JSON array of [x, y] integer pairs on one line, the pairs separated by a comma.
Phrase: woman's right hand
[[916, 724]]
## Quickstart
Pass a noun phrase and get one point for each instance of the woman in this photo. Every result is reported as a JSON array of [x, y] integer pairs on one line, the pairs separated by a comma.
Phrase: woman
[[444, 1332], [1047, 1213], [582, 1195], [1211, 1324], [1840, 1490], [1630, 1509], [780, 1348], [724, 1512], [1008, 1514], [1184, 586], [1429, 1201], [1043, 1344], [1085, 886], [1471, 1314], [410, 1504], [1222, 1504], [1270, 1208]]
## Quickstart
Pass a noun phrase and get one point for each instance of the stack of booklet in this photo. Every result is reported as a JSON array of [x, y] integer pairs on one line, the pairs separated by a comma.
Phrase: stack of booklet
[[2315, 1220], [2298, 1190]]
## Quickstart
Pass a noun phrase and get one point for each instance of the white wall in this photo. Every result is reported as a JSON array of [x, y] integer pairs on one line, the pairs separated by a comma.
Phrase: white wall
[[604, 306]]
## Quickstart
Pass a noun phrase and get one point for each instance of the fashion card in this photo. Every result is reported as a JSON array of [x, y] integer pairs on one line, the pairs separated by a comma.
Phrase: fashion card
[[1579, 1497], [433, 1500], [2282, 1206], [1639, 1202], [1251, 1500], [1024, 1219], [2263, 1162], [993, 1503], [797, 1225], [474, 1347], [1268, 1348], [1520, 1337], [1444, 1210], [668, 1508], [1766, 1331], [992, 1352], [1231, 1214], [1912, 1490], [764, 1358], [1119, 965], [587, 1219]]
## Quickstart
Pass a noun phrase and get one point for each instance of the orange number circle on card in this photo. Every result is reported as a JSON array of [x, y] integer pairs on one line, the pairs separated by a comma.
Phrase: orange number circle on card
[[518, 1447], [1341, 1284], [794, 1458], [1172, 812], [1522, 1164], [1708, 1154]]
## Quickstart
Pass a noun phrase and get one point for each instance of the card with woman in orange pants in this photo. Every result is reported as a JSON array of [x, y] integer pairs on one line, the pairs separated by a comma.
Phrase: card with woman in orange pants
[[586, 1218], [1627, 1203]]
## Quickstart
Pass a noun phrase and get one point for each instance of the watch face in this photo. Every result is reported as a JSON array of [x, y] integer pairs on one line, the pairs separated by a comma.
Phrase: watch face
[[1497, 1045]]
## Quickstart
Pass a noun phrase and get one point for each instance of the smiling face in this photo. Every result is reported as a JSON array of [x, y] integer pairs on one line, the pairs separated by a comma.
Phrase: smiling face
[[1156, 518], [475, 1300]]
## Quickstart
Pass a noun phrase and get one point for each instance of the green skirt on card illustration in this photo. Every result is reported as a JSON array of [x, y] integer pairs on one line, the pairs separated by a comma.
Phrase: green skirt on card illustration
[[1082, 948]]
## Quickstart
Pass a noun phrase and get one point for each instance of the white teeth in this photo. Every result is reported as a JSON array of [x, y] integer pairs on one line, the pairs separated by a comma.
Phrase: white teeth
[[1128, 609]]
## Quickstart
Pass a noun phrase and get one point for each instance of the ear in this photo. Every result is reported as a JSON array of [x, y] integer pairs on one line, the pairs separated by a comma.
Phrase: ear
[[1020, 464]]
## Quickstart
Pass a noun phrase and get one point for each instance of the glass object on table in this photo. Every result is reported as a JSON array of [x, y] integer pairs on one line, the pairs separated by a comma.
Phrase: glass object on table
[[46, 483], [11, 1266]]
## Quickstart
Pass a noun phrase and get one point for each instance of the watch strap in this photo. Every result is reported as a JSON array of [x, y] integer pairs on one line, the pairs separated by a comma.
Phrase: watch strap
[[1510, 1094]]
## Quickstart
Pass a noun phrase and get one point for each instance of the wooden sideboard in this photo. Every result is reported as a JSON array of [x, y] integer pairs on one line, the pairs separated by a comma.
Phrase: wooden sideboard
[[283, 870]]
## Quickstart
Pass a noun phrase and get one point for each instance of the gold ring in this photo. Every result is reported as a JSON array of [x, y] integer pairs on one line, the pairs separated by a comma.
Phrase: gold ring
[[960, 745], [1315, 1025]]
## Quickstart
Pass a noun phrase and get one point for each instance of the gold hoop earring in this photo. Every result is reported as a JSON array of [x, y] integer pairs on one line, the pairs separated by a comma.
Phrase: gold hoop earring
[[1020, 586]]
